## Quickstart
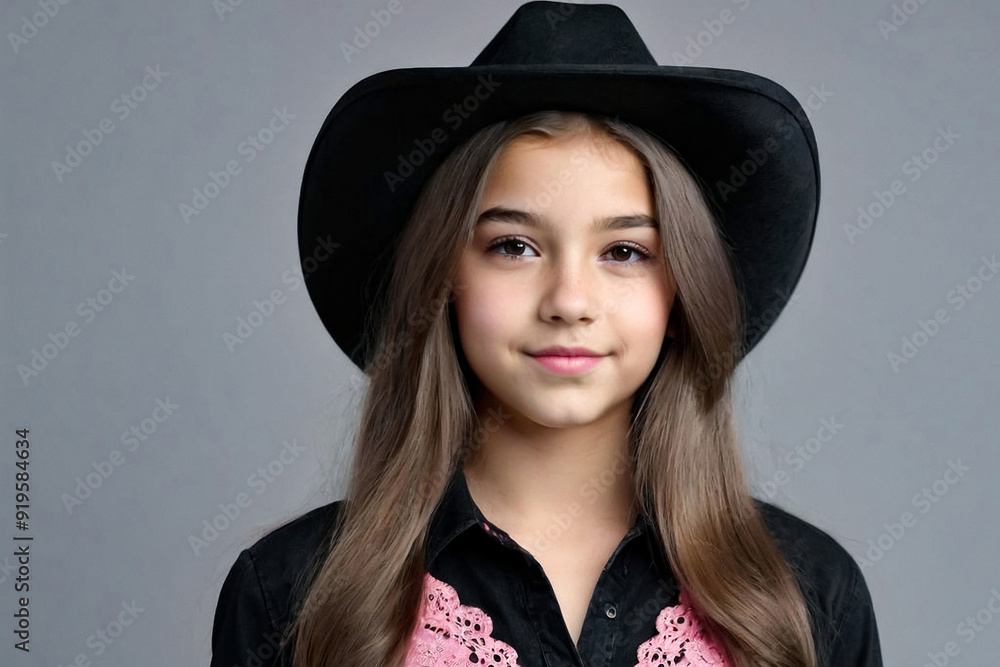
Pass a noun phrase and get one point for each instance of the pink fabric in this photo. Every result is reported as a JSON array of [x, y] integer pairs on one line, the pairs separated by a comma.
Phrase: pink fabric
[[450, 634], [679, 641]]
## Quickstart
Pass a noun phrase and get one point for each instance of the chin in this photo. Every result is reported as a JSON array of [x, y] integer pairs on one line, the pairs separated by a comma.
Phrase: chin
[[569, 416]]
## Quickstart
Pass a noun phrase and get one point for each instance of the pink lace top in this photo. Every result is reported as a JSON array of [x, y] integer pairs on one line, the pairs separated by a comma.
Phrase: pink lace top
[[450, 634]]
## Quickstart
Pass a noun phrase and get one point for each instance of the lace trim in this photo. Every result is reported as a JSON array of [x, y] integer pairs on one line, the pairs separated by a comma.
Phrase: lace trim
[[680, 640], [450, 634]]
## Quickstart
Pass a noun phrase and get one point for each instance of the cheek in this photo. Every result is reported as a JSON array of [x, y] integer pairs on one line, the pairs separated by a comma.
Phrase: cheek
[[643, 314], [485, 312]]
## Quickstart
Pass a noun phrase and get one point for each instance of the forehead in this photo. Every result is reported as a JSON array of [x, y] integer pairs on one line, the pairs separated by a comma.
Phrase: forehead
[[567, 173]]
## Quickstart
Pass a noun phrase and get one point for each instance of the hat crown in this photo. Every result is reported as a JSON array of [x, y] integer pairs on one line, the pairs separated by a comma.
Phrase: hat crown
[[547, 33]]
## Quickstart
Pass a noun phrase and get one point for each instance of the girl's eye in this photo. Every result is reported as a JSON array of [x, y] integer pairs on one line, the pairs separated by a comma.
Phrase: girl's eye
[[632, 250], [629, 250], [510, 243]]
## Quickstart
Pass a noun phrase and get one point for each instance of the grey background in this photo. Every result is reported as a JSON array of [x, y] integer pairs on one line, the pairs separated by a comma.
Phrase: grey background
[[161, 337]]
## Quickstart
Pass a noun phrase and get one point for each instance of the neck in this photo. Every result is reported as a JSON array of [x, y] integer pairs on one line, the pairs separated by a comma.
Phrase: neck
[[570, 481]]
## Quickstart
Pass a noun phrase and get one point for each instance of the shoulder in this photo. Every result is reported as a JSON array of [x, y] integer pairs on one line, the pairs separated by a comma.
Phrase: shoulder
[[808, 547], [266, 583], [832, 582], [296, 540], [283, 556], [824, 567]]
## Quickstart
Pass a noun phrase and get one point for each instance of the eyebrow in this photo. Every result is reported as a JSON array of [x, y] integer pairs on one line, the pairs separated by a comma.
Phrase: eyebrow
[[600, 224]]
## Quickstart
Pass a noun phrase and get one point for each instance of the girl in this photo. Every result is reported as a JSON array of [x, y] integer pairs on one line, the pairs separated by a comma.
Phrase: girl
[[547, 468]]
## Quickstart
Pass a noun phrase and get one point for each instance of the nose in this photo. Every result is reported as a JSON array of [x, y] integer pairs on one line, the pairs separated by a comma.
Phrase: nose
[[569, 292]]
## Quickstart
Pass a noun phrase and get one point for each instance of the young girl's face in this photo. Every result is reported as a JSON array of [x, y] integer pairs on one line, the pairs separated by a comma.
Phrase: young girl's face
[[566, 253]]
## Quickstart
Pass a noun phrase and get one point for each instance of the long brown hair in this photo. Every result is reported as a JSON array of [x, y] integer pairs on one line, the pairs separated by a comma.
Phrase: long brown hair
[[417, 425]]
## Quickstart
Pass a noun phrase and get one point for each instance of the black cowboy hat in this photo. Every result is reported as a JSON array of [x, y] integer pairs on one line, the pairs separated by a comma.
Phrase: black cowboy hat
[[745, 138]]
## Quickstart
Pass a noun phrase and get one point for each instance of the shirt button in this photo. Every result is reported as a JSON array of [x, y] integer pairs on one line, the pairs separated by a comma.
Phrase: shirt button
[[610, 611]]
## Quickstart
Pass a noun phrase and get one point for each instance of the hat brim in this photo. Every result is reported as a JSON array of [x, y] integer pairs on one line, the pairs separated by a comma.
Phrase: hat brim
[[746, 139]]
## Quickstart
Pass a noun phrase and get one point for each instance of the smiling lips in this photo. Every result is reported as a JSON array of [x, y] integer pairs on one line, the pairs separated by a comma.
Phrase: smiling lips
[[567, 360]]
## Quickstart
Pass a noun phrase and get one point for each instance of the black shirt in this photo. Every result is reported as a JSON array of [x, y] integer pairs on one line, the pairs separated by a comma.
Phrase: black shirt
[[490, 572]]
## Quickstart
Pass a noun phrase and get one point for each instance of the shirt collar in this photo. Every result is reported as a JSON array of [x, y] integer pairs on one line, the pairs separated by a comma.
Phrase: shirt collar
[[458, 512], [455, 513]]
